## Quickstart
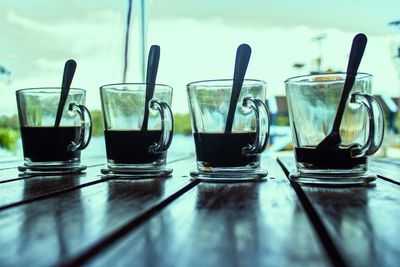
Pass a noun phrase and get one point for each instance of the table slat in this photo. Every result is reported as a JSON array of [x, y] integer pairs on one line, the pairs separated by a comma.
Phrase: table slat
[[246, 224], [362, 221], [54, 229], [36, 187], [389, 169]]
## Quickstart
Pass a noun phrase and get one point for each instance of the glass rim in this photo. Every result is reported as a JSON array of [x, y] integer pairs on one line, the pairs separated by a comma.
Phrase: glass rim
[[223, 80], [297, 79], [109, 86], [33, 89]]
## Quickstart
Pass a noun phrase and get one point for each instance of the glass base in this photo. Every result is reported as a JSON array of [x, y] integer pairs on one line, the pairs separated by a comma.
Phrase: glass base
[[51, 170], [130, 173], [229, 176], [333, 179]]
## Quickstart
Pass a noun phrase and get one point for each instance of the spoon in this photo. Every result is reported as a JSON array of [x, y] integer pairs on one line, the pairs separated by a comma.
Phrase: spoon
[[243, 53], [151, 75], [69, 71], [333, 140]]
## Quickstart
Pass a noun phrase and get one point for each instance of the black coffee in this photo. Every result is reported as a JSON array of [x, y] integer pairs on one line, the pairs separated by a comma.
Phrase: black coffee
[[132, 147], [224, 150], [328, 158], [44, 144]]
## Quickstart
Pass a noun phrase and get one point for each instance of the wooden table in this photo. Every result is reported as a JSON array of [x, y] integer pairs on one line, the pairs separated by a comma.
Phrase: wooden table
[[89, 220]]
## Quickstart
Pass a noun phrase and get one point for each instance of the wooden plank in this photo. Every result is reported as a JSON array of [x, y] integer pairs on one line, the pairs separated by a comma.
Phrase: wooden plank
[[387, 160], [10, 165], [9, 159], [388, 169], [13, 162], [54, 229], [36, 187], [245, 224], [30, 188], [27, 188], [362, 221], [9, 174]]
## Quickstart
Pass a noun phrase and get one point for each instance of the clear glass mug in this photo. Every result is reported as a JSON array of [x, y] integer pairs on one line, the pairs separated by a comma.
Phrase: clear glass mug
[[228, 156], [130, 150], [313, 101], [48, 148]]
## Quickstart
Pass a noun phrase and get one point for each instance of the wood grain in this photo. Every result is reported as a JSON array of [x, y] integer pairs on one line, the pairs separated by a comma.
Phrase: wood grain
[[54, 229], [246, 224], [31, 188], [11, 191], [362, 221], [388, 169], [12, 173]]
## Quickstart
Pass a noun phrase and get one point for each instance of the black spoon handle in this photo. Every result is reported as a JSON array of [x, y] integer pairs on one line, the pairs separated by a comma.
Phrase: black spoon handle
[[356, 54], [69, 71], [151, 75], [243, 53]]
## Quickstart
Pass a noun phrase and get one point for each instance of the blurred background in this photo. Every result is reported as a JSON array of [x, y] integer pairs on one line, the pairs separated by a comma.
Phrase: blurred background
[[198, 41]]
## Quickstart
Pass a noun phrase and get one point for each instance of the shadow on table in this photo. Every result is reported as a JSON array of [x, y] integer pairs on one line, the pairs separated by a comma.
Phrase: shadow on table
[[52, 227], [130, 197], [49, 222], [345, 212], [227, 222]]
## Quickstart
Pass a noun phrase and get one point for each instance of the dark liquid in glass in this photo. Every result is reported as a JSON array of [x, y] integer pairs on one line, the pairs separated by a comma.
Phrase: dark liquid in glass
[[328, 158], [46, 144], [224, 150], [132, 147]]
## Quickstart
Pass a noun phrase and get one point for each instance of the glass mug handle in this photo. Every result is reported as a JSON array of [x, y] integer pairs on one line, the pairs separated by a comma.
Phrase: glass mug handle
[[376, 124], [167, 126], [262, 126], [85, 129]]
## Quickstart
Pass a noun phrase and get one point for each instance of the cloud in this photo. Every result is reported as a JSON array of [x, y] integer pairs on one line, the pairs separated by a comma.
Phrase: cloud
[[29, 24], [370, 16]]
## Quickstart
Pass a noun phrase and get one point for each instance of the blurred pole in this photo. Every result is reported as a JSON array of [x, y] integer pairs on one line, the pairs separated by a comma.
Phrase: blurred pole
[[135, 42], [393, 137], [395, 46], [319, 39], [143, 38]]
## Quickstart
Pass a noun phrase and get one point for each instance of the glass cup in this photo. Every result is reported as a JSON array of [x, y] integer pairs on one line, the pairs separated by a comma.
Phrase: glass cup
[[313, 101], [131, 150], [231, 156], [47, 148]]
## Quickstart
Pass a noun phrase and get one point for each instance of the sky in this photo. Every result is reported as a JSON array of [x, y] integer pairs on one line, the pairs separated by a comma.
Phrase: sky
[[198, 41]]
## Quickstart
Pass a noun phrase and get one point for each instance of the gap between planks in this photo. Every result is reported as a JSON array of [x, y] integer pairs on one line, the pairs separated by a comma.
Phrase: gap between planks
[[66, 189], [127, 228], [330, 248]]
